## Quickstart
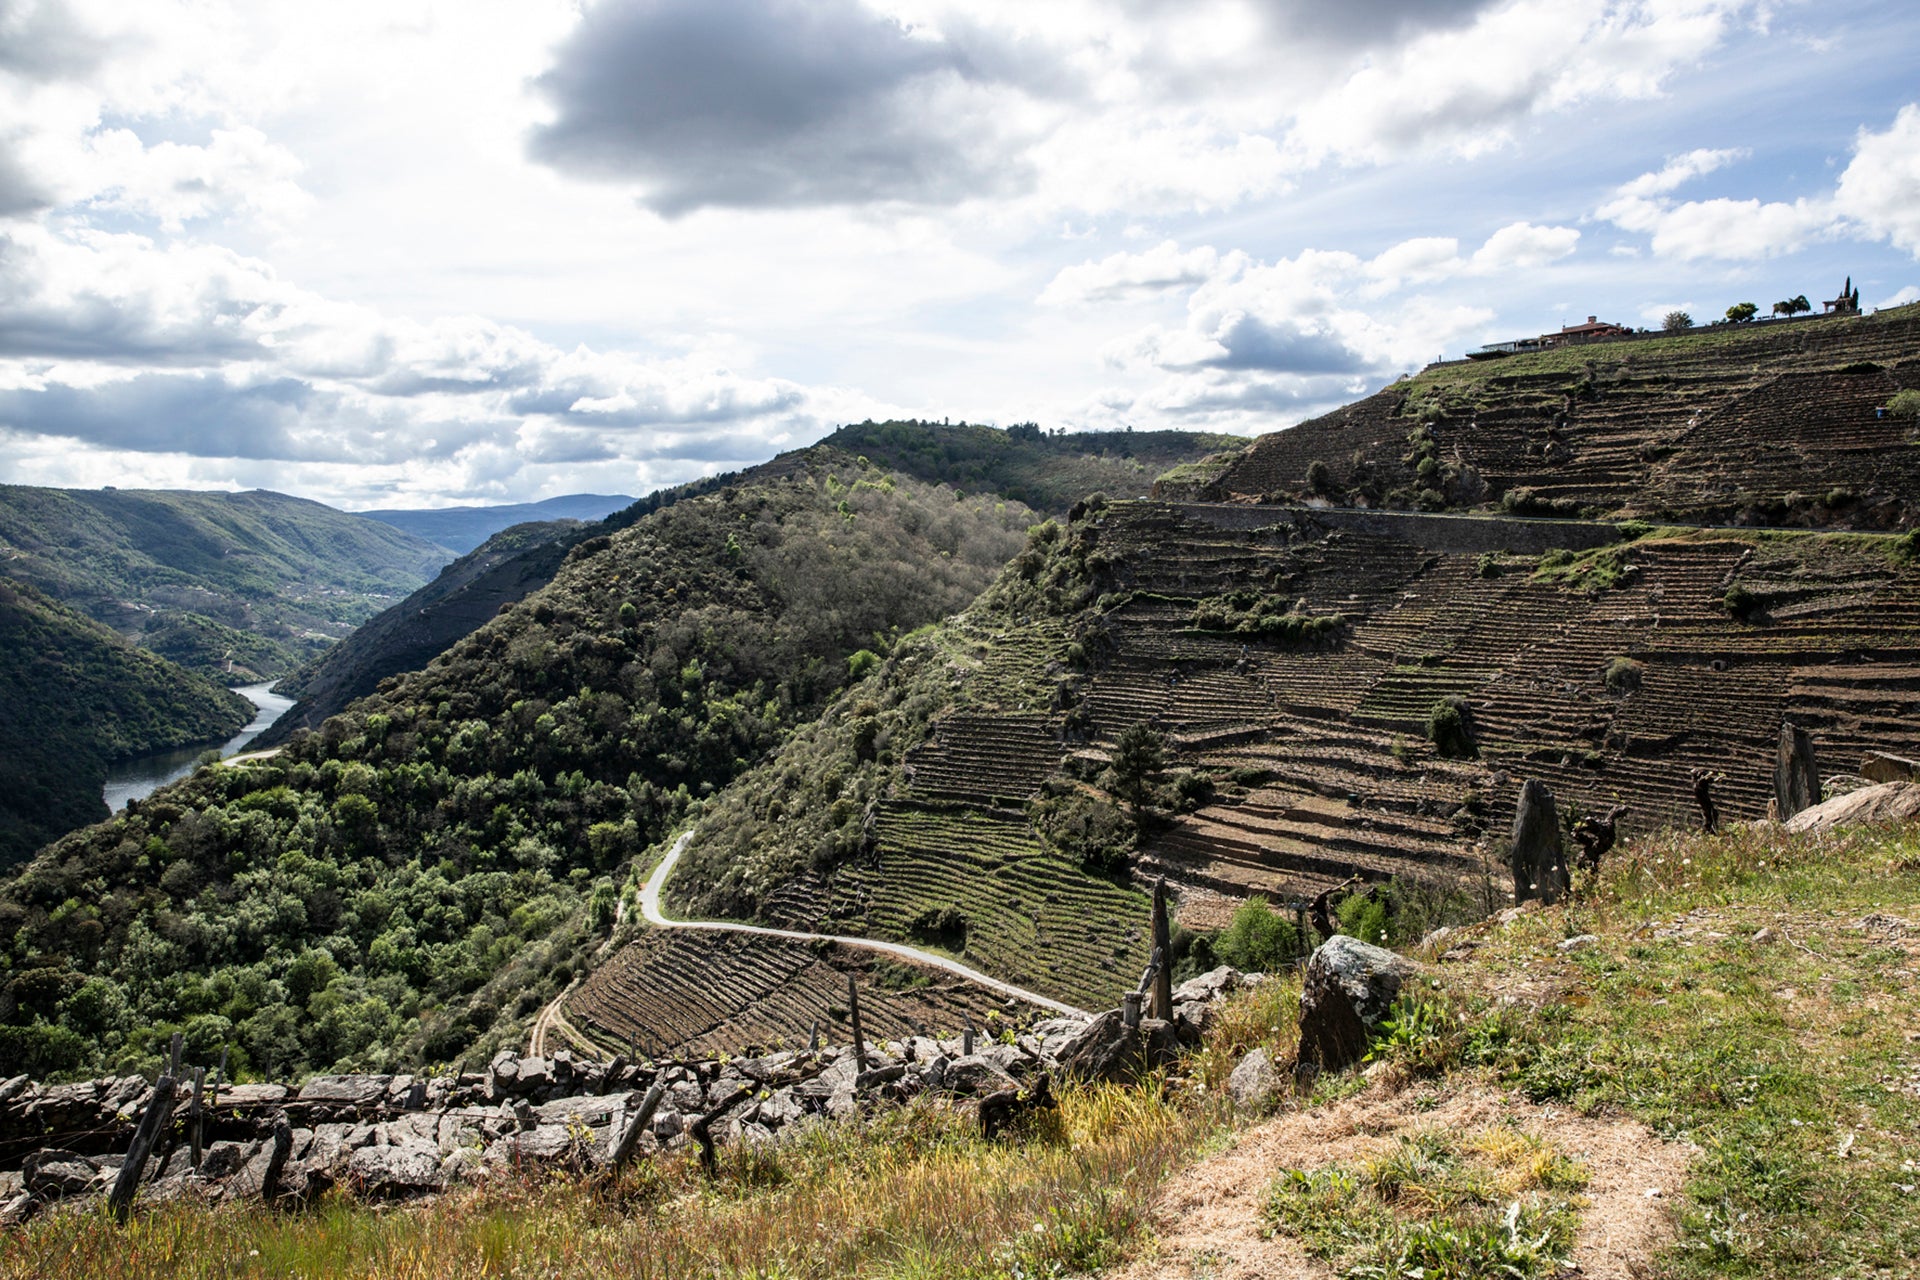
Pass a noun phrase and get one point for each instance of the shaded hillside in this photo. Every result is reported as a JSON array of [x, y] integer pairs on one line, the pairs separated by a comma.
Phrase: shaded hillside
[[1047, 471], [406, 636], [462, 529], [412, 881], [197, 575], [73, 698], [1290, 664], [1762, 424]]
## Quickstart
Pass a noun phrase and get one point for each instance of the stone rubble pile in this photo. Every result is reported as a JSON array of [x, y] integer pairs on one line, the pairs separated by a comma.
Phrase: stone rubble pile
[[401, 1136]]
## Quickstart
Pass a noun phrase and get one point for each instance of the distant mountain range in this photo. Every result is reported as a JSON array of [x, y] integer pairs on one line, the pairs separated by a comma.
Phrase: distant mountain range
[[461, 529]]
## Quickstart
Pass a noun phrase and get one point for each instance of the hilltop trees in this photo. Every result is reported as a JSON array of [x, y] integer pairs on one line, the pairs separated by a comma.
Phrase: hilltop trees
[[1741, 312], [1792, 306], [1676, 322]]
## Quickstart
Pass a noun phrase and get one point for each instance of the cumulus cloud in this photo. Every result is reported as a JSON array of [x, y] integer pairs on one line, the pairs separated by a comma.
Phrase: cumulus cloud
[[758, 103], [1164, 267], [1877, 197]]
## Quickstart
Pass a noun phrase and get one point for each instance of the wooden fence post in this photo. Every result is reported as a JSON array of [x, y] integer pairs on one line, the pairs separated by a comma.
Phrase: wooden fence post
[[853, 1015], [193, 1118], [277, 1160], [966, 1039], [1160, 1001], [630, 1136], [154, 1119]]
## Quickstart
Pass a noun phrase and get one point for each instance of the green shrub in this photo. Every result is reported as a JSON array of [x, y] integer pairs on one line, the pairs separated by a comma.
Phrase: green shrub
[[1256, 940], [1623, 674], [1740, 602], [1450, 728]]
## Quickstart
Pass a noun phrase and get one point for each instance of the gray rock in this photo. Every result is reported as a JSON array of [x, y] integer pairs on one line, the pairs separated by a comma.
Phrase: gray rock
[[1579, 943], [252, 1095], [1254, 1081], [1883, 766], [1107, 1050], [1539, 856], [410, 1167], [976, 1076], [1209, 986], [55, 1175], [1192, 1019], [1796, 783], [346, 1091], [1350, 987]]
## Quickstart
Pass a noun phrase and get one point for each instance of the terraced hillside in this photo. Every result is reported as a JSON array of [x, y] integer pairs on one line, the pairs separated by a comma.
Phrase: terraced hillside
[[1609, 666], [1777, 424], [701, 994]]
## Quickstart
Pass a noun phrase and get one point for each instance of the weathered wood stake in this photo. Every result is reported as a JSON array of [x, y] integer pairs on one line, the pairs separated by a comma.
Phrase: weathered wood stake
[[630, 1136], [813, 1036], [853, 1016], [701, 1129], [194, 1116], [152, 1122], [1160, 1002], [966, 1039], [277, 1159]]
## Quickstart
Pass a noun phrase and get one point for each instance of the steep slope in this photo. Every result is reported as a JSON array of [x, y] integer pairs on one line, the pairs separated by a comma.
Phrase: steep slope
[[270, 579], [73, 698], [1289, 661], [1049, 472], [462, 529], [405, 637], [1768, 424], [431, 863]]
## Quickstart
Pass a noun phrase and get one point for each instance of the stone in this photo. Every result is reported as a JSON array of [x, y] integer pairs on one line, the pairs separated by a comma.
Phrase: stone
[[55, 1175], [976, 1076], [1882, 766], [1192, 1018], [1580, 942], [346, 1091], [1253, 1082], [1107, 1050], [1539, 856], [252, 1095], [1209, 986], [1350, 987], [410, 1167], [1885, 802], [1796, 783]]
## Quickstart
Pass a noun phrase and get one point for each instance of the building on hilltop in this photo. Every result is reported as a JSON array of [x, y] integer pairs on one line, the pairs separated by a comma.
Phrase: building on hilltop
[[1847, 304], [1594, 330]]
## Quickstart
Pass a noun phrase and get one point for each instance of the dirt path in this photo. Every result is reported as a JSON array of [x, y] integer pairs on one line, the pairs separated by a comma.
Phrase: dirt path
[[1208, 1220], [552, 1022]]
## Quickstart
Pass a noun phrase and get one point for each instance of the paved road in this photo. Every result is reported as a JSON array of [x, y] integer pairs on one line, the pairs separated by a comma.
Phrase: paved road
[[650, 908]]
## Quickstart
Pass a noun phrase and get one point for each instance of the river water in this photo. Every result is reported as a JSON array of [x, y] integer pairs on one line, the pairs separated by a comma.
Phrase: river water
[[140, 777]]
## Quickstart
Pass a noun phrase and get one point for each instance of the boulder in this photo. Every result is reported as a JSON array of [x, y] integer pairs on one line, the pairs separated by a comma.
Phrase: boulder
[[410, 1167], [1254, 1081], [55, 1175], [346, 1091], [1796, 783], [1208, 987], [1887, 802], [1539, 855], [976, 1076], [1107, 1050], [1350, 987]]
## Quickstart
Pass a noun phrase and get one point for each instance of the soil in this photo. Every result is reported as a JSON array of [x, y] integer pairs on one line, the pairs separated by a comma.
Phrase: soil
[[1208, 1224]]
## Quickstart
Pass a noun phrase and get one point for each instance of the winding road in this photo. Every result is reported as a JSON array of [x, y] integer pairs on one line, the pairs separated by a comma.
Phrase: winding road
[[650, 909]]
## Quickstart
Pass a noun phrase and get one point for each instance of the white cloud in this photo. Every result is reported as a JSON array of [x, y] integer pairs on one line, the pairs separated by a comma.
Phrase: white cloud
[[1127, 275], [1881, 187]]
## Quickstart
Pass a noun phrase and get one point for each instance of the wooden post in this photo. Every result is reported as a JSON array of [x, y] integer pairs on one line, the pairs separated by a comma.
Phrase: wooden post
[[630, 1136], [813, 1036], [173, 1054], [853, 1016], [277, 1160], [1130, 1010], [966, 1039], [1160, 999], [194, 1116], [702, 1128], [152, 1121]]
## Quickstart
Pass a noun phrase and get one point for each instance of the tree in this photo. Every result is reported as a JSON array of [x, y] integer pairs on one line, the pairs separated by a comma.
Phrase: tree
[[1792, 306], [1138, 755], [1676, 322], [1741, 312]]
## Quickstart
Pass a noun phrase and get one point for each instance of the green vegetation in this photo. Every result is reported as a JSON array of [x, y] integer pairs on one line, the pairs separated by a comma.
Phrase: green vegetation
[[74, 697], [1450, 728], [1257, 940], [1047, 470], [1678, 322], [1268, 617], [1905, 404], [1623, 674], [1742, 312], [181, 569], [429, 858]]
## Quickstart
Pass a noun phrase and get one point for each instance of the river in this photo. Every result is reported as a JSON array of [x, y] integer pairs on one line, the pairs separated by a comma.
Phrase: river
[[140, 777]]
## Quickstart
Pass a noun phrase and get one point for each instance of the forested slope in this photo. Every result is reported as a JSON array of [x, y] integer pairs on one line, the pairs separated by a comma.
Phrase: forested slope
[[259, 579], [74, 697], [409, 883]]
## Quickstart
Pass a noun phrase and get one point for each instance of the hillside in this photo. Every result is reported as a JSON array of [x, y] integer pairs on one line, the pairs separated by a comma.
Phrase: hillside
[[1047, 472], [1756, 424], [1289, 664], [412, 881], [463, 529], [408, 635], [75, 697], [202, 577]]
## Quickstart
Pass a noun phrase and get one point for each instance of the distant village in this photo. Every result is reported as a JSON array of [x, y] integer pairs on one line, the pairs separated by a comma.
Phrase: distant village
[[1598, 330]]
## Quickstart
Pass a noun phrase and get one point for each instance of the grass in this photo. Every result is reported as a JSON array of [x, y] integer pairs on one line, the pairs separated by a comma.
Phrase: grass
[[912, 1192]]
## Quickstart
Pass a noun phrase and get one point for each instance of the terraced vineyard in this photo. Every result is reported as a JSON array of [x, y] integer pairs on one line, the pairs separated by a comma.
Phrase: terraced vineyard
[[692, 993], [1768, 423]]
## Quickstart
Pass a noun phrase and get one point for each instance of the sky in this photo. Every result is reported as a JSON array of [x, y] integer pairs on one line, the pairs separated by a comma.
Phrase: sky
[[408, 253]]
